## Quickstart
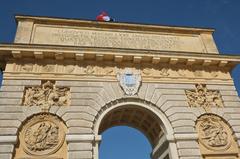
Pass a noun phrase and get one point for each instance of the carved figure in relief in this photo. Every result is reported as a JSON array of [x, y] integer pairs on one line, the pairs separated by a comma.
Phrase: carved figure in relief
[[214, 73], [181, 72], [89, 70], [164, 72], [27, 67], [108, 70], [48, 68], [47, 95], [147, 71], [201, 97], [198, 73], [42, 135], [70, 69], [212, 132]]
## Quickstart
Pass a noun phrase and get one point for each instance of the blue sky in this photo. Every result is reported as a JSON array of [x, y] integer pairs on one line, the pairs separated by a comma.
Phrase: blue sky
[[223, 15]]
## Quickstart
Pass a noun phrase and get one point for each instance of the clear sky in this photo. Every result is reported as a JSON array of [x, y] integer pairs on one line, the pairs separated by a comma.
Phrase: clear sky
[[223, 15]]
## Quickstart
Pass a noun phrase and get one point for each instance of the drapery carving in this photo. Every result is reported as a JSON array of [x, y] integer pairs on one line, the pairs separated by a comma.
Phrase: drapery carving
[[202, 97], [46, 95]]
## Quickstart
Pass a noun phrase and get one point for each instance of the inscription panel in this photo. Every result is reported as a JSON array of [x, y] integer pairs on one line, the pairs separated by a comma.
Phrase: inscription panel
[[118, 39]]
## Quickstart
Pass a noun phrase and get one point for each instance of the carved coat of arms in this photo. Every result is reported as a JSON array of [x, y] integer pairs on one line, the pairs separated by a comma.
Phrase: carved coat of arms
[[202, 97], [129, 81]]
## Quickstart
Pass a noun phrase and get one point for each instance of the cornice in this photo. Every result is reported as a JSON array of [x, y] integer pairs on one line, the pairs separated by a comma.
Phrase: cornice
[[112, 25], [39, 52]]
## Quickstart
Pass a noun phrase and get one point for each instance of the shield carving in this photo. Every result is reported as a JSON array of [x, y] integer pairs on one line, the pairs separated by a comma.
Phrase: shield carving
[[129, 81]]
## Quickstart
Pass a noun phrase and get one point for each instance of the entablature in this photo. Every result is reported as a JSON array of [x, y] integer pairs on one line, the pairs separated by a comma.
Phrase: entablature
[[40, 52]]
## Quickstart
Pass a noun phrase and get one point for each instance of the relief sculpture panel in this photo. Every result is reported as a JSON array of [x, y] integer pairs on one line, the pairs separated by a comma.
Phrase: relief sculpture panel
[[46, 95], [42, 135], [213, 134], [110, 70], [215, 137], [202, 97]]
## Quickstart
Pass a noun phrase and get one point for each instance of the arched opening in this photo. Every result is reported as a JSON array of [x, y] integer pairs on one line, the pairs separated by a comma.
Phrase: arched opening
[[124, 142], [142, 119]]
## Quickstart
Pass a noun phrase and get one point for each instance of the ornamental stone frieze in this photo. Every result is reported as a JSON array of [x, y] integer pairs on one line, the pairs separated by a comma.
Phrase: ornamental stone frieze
[[147, 71], [215, 136], [202, 97], [46, 95], [42, 135]]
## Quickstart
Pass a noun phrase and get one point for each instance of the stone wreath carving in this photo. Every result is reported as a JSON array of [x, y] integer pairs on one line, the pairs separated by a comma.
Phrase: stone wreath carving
[[46, 95], [202, 97], [214, 134], [42, 135]]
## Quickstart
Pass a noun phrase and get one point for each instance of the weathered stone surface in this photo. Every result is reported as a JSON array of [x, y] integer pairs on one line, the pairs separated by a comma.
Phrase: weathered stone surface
[[184, 129], [12, 89], [181, 123], [189, 152], [9, 101], [21, 82], [75, 115], [6, 156], [10, 123], [80, 130], [6, 148], [82, 123], [187, 144], [11, 95], [165, 70], [80, 146], [8, 131], [80, 154], [79, 37]]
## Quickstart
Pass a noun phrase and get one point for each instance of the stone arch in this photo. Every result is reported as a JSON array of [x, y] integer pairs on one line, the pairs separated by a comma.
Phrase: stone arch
[[150, 112], [41, 135], [216, 137]]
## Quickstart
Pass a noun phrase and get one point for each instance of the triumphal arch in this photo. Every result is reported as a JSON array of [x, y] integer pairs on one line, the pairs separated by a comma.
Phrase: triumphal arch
[[66, 81]]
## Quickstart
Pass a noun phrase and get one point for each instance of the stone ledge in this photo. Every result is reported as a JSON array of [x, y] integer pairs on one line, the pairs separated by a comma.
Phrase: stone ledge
[[82, 138], [8, 139], [186, 136]]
